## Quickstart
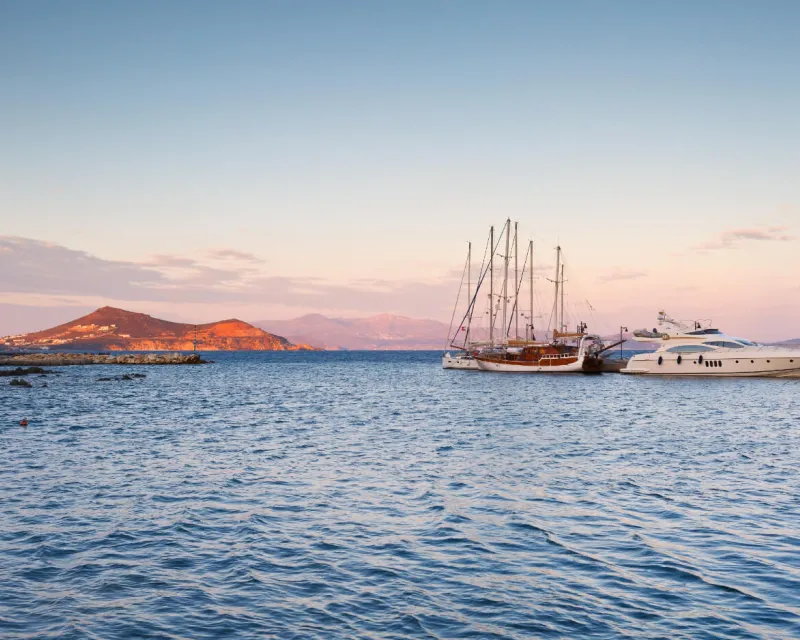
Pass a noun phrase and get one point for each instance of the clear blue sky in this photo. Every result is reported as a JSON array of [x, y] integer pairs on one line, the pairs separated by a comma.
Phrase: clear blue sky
[[349, 140]]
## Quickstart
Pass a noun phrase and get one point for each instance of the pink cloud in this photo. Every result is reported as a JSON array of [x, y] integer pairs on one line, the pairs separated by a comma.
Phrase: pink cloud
[[733, 237], [620, 274]]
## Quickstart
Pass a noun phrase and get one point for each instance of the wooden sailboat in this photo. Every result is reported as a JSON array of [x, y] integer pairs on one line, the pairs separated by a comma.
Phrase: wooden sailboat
[[567, 352]]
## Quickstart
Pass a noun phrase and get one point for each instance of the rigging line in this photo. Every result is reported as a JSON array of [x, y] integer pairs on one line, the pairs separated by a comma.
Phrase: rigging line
[[480, 281], [516, 295], [471, 306], [458, 296]]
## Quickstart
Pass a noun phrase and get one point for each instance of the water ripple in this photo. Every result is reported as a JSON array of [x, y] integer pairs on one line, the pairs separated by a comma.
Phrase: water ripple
[[363, 495]]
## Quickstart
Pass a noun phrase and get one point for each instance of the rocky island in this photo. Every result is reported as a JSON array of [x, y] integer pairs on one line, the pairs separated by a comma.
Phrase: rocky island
[[111, 329]]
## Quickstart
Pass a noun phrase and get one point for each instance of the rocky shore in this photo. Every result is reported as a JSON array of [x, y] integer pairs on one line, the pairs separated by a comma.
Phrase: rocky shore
[[64, 359]]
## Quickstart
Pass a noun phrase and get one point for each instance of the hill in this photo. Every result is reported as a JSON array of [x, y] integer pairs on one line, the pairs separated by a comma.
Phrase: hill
[[384, 331], [111, 329]]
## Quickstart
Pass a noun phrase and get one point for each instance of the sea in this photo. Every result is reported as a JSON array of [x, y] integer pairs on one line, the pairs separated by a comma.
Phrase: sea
[[376, 495]]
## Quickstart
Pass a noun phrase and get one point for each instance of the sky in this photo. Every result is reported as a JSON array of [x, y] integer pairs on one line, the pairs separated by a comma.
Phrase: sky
[[203, 160]]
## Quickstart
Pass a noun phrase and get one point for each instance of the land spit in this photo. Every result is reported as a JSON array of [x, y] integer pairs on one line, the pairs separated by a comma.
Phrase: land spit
[[64, 359]]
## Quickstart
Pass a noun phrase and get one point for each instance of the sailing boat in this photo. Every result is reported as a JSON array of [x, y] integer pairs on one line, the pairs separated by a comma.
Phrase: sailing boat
[[464, 359], [567, 352]]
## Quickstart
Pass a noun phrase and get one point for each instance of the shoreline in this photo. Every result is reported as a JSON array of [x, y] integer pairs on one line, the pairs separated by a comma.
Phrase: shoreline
[[70, 359]]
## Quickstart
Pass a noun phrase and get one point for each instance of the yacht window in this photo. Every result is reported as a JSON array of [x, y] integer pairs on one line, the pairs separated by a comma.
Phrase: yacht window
[[689, 348], [725, 344], [746, 343]]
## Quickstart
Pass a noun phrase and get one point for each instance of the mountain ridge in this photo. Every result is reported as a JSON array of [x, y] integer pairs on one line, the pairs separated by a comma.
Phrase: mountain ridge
[[383, 331], [114, 329]]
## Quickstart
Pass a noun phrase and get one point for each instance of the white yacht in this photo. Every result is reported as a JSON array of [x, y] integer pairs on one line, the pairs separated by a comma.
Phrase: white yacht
[[459, 361], [694, 350]]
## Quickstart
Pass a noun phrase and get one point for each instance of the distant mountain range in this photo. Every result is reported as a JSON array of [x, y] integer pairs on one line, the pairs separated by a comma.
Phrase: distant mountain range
[[384, 331], [111, 329]]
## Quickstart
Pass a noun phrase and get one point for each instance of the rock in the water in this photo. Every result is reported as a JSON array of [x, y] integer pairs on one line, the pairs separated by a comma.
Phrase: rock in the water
[[17, 382], [19, 371], [62, 359], [126, 376]]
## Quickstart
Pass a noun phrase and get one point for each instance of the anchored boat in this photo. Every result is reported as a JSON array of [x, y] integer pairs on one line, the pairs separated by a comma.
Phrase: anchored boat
[[577, 352], [566, 353], [506, 351], [694, 350]]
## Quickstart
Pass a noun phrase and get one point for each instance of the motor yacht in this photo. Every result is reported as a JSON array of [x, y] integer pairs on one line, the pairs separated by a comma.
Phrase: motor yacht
[[696, 350]]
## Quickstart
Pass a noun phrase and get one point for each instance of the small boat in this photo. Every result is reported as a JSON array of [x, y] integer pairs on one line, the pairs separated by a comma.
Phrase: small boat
[[462, 360], [693, 350], [465, 359]]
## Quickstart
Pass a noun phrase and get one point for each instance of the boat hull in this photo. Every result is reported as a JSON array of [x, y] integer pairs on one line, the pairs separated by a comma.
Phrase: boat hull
[[459, 362], [717, 365], [576, 365]]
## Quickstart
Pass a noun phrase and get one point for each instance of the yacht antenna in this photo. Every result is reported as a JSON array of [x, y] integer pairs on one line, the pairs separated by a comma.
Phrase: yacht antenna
[[621, 341], [491, 285]]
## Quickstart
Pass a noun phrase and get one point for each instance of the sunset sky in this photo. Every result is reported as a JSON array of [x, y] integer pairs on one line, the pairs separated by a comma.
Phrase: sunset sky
[[202, 160]]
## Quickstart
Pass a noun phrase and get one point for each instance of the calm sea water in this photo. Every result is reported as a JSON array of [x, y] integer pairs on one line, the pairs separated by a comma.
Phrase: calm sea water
[[374, 495]]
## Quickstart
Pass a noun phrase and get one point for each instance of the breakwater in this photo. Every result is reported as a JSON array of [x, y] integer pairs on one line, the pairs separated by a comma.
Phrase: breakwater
[[64, 359]]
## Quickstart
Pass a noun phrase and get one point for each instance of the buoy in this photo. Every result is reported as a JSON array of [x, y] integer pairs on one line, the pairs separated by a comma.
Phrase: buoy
[[23, 422]]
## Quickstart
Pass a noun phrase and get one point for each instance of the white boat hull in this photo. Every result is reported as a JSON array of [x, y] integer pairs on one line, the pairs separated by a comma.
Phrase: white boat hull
[[528, 367], [467, 363], [728, 364]]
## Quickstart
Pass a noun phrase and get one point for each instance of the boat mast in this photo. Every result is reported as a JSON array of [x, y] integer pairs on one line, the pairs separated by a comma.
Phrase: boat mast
[[470, 302], [555, 301], [563, 328], [505, 280], [516, 283], [491, 284], [530, 273]]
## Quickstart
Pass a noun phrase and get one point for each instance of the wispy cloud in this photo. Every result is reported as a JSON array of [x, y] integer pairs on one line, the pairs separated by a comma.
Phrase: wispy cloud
[[171, 261], [621, 274], [734, 237], [35, 267], [234, 254]]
